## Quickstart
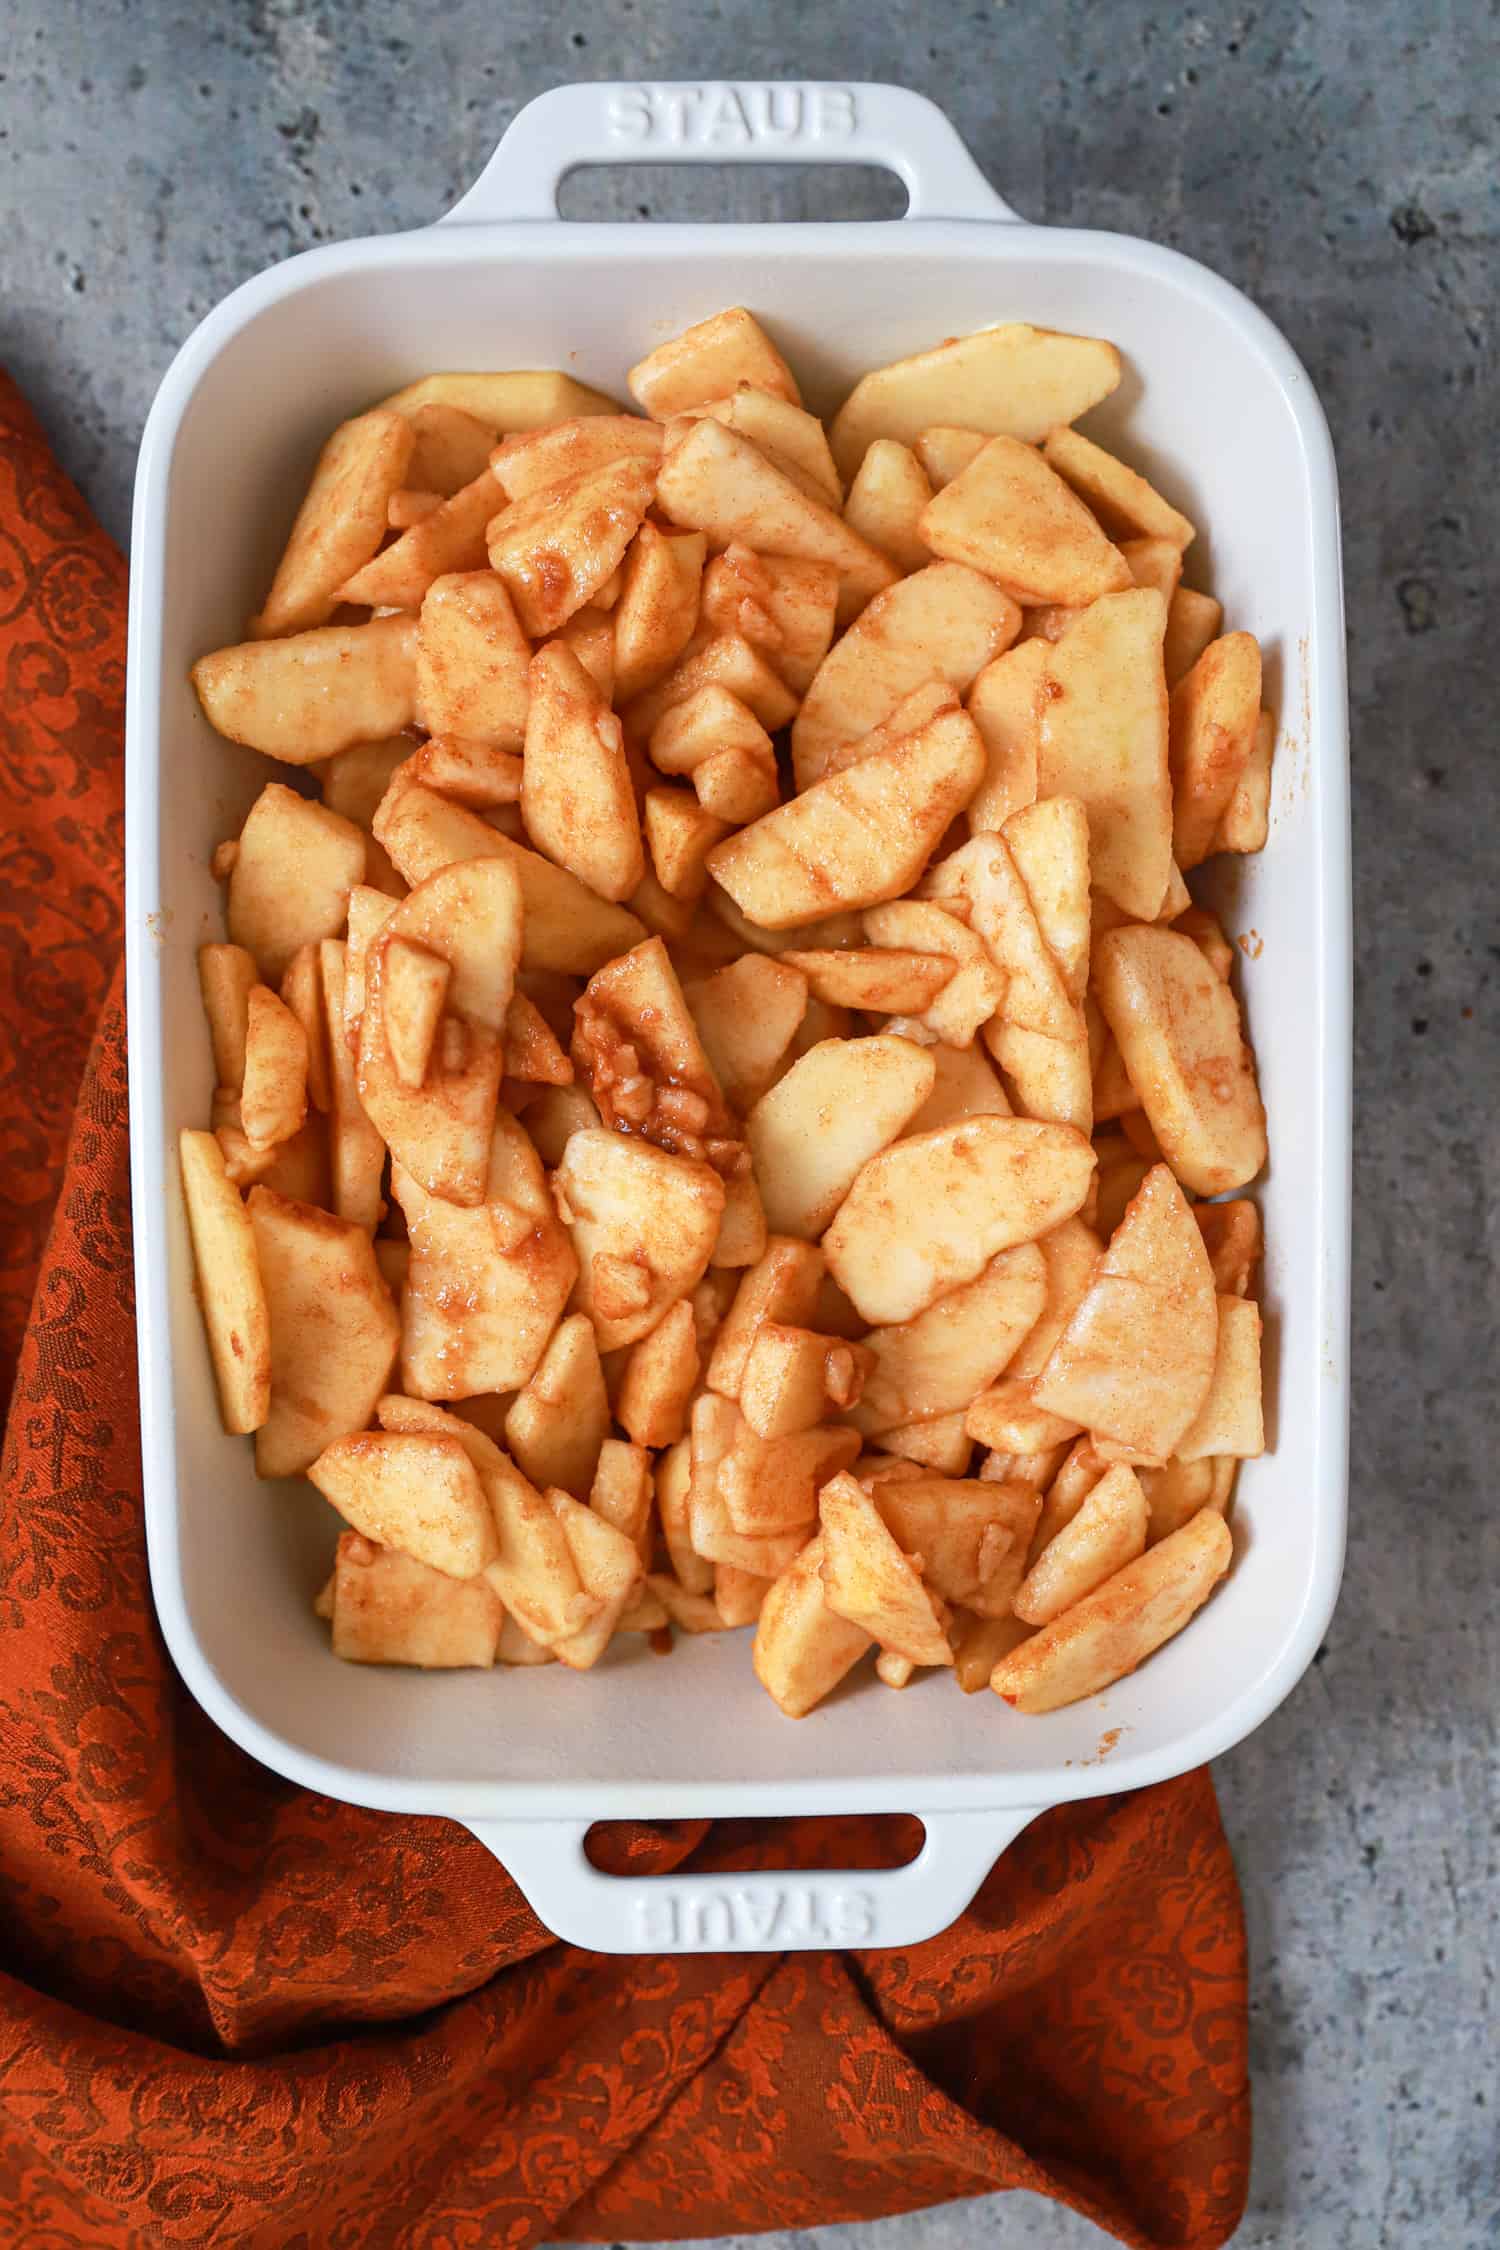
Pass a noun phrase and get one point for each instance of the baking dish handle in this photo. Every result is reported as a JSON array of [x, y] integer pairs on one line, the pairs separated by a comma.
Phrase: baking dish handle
[[791, 121], [776, 1910]]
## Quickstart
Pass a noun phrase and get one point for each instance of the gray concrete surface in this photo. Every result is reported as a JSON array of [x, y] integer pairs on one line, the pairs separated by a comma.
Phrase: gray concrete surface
[[1338, 162]]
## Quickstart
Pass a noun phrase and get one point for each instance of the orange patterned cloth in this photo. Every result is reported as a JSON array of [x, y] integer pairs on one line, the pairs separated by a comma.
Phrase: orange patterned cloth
[[233, 2013]]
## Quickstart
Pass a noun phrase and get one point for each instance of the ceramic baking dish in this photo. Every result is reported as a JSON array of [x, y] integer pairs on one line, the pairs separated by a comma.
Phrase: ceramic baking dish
[[1217, 409]]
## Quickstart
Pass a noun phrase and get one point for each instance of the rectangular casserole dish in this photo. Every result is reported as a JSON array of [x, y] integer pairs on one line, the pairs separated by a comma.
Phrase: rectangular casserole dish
[[1217, 409]]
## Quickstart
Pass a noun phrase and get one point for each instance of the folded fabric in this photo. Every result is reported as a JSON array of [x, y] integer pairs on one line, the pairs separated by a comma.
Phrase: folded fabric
[[232, 2012]]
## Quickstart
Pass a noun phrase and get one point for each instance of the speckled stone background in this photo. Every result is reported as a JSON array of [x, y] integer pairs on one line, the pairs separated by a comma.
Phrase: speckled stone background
[[1339, 162]]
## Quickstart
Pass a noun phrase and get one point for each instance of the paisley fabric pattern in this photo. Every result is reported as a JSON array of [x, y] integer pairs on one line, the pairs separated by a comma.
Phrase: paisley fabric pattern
[[232, 2013]]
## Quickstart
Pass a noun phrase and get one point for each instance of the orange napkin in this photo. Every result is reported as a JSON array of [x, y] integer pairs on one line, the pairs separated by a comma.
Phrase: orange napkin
[[233, 2013]]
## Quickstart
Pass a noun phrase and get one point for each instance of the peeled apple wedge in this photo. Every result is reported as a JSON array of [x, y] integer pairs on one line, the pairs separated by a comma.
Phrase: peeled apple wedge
[[1115, 1628], [334, 1329], [857, 838], [928, 1214], [709, 361], [469, 914], [1013, 381], [802, 1647], [439, 1129], [643, 1224], [869, 1582], [836, 1107], [314, 693], [943, 624], [486, 1285], [512, 398], [576, 797], [416, 1491], [1103, 738], [1215, 714], [340, 523], [717, 482], [1178, 1028], [531, 460], [555, 549], [1009, 515], [1136, 1358], [935, 1364], [565, 926]]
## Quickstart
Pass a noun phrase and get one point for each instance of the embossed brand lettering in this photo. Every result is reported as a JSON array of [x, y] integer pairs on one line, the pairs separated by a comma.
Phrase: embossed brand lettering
[[708, 1921], [732, 116]]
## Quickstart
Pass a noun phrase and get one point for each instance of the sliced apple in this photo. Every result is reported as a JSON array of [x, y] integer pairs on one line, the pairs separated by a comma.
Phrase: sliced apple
[[1105, 1636], [472, 660], [1005, 703], [1013, 381], [659, 1378], [565, 926], [976, 987], [356, 1150], [230, 1289], [879, 979], [836, 1107], [1215, 711], [609, 1571], [790, 438], [868, 1581], [559, 1421], [643, 1224], [793, 1377], [886, 501], [858, 837], [451, 448], [532, 460], [1135, 1360], [965, 1529], [1178, 1028], [576, 795], [945, 452], [1245, 821], [782, 1285], [226, 976], [1108, 1531], [559, 545], [1193, 620], [1006, 1416], [1103, 739], [1126, 505], [802, 1648], [1230, 1422], [273, 1097], [340, 523], [943, 624], [928, 1214], [415, 1491], [966, 1084], [536, 1572], [334, 1330], [717, 482], [709, 361], [485, 1285], [935, 1364], [387, 1608], [512, 398], [295, 868], [1009, 515], [450, 539], [1049, 846], [657, 610]]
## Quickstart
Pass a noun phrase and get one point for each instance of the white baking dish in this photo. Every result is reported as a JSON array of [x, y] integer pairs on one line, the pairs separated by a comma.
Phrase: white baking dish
[[1217, 408]]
